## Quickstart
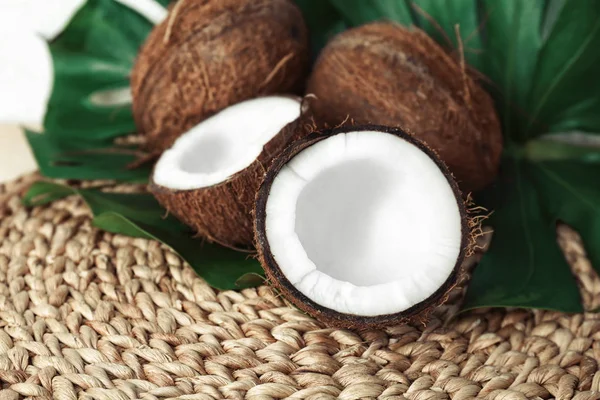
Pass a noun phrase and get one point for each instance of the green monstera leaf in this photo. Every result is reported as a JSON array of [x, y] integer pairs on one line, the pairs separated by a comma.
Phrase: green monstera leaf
[[77, 159], [90, 104], [93, 58]]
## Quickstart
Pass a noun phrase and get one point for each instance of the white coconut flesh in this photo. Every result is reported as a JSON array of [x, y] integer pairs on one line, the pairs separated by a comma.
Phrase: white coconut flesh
[[364, 223], [225, 143]]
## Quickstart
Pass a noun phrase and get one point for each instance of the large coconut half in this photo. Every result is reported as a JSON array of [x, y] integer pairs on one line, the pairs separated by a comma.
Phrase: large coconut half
[[385, 74], [210, 54], [210, 176], [361, 226]]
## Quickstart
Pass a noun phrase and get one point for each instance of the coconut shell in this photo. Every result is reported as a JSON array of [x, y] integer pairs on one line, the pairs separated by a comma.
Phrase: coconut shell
[[210, 54], [419, 312], [222, 213], [385, 74]]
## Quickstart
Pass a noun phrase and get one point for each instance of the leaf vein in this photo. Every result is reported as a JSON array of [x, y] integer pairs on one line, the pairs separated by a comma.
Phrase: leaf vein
[[580, 51], [526, 229], [567, 186]]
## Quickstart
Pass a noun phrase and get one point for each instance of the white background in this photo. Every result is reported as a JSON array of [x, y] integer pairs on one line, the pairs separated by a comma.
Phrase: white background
[[15, 156]]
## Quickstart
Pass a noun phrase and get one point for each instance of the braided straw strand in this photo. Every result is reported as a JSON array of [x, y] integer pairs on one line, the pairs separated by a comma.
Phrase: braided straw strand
[[85, 314]]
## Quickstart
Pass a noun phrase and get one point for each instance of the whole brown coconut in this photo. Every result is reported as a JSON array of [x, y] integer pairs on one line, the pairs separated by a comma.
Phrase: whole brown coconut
[[209, 178], [385, 74], [210, 54], [362, 226]]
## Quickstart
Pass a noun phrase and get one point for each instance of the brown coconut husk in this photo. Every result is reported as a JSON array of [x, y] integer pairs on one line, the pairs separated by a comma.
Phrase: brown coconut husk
[[385, 74], [419, 313], [210, 54], [222, 213]]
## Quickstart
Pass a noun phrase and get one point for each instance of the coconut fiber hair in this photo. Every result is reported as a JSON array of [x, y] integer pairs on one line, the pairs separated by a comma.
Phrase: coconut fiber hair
[[385, 74], [223, 212], [210, 54]]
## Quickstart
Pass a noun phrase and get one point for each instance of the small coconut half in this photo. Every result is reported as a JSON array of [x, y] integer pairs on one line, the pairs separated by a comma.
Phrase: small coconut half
[[209, 177], [361, 226]]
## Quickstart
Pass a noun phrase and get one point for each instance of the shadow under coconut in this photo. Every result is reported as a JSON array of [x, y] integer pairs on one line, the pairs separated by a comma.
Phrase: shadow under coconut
[[207, 155], [335, 222]]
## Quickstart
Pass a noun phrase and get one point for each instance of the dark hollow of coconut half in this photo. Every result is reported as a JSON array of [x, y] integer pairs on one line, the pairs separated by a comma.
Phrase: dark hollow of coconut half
[[361, 226], [210, 54], [385, 74], [209, 177]]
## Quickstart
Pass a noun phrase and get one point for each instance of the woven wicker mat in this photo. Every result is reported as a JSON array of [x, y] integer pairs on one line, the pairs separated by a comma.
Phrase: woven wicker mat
[[86, 314]]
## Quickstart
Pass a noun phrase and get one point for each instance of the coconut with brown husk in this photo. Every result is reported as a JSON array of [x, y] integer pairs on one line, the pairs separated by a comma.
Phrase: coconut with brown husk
[[385, 74], [362, 226], [209, 177], [210, 54]]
